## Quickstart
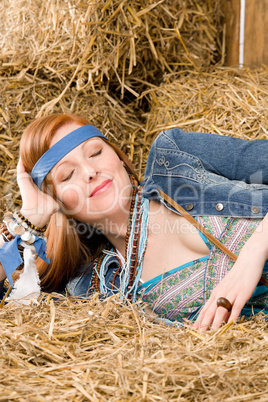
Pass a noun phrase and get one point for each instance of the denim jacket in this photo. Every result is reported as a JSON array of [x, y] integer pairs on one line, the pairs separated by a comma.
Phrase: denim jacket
[[207, 174]]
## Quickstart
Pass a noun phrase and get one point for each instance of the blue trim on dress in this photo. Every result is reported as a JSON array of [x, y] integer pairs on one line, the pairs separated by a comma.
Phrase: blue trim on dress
[[152, 282]]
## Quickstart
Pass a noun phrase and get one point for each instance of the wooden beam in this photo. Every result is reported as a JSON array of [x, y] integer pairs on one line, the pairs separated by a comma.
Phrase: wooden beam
[[231, 10], [256, 33]]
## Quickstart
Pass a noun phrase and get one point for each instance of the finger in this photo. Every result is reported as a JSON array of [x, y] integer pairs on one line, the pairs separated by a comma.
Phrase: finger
[[200, 318], [203, 311], [236, 309], [20, 167], [207, 318], [213, 316], [221, 316], [25, 182]]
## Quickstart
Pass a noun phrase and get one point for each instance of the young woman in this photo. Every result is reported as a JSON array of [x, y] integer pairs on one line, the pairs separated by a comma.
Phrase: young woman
[[107, 233]]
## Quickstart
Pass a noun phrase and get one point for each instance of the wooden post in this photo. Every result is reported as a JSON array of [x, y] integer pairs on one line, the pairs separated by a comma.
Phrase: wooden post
[[231, 9], [255, 51], [256, 33]]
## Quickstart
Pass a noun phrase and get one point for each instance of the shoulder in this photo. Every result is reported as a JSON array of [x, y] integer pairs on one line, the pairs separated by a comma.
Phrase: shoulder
[[197, 143], [176, 138], [168, 138]]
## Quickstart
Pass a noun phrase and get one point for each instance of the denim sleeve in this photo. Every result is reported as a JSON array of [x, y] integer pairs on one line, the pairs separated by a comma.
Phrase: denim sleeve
[[233, 158]]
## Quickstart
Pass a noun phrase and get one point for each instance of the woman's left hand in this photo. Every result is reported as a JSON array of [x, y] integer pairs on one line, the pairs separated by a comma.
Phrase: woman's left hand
[[239, 284], [237, 287]]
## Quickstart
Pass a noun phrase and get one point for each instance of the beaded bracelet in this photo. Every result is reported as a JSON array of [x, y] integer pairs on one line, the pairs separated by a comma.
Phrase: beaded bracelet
[[21, 226], [19, 217], [7, 236], [16, 228]]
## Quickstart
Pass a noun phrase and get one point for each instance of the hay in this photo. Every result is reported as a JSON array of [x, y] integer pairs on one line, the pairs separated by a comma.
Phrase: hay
[[85, 57], [225, 101], [72, 350], [108, 44]]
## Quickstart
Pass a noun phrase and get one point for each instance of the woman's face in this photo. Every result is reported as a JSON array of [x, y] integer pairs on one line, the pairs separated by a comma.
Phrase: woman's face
[[90, 180]]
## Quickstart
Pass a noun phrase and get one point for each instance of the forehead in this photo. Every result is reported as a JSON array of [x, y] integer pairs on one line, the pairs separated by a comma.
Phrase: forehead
[[63, 131], [90, 144]]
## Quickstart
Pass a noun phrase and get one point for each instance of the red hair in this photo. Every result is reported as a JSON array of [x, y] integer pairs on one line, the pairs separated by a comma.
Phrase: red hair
[[66, 248]]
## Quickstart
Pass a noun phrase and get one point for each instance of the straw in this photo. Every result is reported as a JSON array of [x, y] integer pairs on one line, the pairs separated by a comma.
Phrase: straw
[[66, 349], [133, 68], [108, 43], [224, 101]]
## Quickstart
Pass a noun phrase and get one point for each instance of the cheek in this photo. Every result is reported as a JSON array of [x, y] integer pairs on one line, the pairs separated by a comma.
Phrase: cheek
[[118, 167], [72, 198]]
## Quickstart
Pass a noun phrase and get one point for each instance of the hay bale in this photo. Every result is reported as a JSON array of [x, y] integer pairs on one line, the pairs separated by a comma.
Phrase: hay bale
[[120, 44], [226, 101], [22, 100], [54, 56], [68, 350]]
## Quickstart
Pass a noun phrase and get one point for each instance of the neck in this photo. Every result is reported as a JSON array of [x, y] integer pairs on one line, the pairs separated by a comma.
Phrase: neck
[[115, 227], [115, 231]]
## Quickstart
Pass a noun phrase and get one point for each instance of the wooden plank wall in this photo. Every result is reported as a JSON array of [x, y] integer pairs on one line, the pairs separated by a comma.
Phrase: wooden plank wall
[[256, 32]]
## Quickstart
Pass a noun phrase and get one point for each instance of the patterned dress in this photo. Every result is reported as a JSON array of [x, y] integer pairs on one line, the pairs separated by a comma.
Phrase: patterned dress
[[181, 292]]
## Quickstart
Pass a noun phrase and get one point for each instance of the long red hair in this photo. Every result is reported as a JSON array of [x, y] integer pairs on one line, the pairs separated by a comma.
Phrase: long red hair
[[68, 246]]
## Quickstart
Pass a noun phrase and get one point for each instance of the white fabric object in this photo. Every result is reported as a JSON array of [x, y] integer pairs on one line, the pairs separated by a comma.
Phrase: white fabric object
[[27, 287]]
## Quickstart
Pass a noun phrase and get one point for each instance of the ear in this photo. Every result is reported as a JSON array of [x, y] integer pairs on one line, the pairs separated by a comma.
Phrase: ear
[[123, 163]]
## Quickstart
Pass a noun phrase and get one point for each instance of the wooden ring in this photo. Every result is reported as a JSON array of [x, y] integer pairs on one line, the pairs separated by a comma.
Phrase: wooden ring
[[223, 302]]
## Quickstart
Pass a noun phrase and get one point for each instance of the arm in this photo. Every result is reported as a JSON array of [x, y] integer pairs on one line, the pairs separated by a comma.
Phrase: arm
[[239, 284], [37, 206], [234, 158]]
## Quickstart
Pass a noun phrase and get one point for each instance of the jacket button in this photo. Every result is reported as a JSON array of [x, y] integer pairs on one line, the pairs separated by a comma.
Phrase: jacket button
[[219, 207], [190, 207], [255, 210]]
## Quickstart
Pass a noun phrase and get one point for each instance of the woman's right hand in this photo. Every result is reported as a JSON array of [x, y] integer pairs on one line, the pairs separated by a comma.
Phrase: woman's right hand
[[37, 206]]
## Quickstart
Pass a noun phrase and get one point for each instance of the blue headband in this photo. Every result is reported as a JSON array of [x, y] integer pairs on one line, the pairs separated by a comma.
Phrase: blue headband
[[50, 158]]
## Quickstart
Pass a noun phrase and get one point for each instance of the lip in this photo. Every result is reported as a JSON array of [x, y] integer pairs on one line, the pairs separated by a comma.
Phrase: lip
[[101, 188]]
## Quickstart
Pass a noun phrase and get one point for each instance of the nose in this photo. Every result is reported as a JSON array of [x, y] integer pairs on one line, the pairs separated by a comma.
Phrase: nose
[[89, 173], [90, 176]]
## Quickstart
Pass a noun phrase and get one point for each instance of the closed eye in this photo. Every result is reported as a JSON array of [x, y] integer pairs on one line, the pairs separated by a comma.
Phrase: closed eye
[[96, 153], [68, 177]]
